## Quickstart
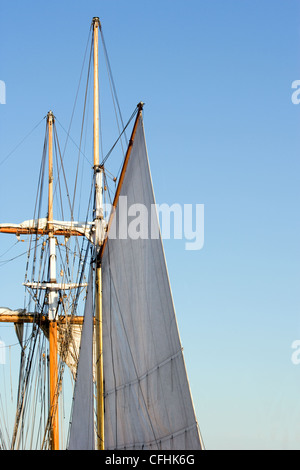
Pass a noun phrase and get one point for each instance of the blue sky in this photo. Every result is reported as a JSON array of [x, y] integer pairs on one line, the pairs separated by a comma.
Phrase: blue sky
[[221, 131]]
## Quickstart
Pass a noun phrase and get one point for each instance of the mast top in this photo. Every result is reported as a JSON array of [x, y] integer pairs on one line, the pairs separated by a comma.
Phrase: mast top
[[96, 21], [50, 116]]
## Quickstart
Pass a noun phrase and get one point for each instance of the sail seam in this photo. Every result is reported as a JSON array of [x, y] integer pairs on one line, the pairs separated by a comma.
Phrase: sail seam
[[159, 440], [143, 376]]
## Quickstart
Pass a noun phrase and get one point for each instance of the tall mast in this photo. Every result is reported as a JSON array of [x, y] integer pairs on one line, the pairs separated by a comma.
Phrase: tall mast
[[98, 177], [52, 299]]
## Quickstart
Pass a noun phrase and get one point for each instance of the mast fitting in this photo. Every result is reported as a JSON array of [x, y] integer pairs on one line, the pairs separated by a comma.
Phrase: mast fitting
[[96, 20], [50, 115], [98, 168]]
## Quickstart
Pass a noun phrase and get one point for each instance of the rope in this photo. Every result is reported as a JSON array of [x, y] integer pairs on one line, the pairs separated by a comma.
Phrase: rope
[[20, 143], [111, 79], [123, 131], [2, 263], [82, 125]]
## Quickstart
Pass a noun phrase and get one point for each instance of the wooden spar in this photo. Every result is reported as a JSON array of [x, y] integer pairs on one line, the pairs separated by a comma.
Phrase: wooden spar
[[122, 176], [96, 25], [53, 380], [50, 120], [40, 231], [98, 176], [99, 358], [53, 349], [38, 319]]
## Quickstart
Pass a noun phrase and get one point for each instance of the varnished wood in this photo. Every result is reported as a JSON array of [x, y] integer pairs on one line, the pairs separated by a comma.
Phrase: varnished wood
[[46, 231], [53, 348], [98, 282], [39, 319], [50, 162], [96, 25], [53, 382]]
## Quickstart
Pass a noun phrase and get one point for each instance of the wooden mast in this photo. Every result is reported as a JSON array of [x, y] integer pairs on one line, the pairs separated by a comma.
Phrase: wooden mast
[[53, 373], [98, 178]]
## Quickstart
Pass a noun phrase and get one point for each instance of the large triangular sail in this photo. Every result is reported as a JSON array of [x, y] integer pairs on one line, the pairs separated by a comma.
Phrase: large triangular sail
[[148, 403]]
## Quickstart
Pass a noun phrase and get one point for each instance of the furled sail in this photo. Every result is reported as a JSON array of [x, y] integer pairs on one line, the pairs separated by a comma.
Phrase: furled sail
[[40, 226], [82, 422], [148, 403]]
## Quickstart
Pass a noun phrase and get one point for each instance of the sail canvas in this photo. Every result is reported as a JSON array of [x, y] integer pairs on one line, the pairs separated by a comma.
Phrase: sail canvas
[[148, 402]]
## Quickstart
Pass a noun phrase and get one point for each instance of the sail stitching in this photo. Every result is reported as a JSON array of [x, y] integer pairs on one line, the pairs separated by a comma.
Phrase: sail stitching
[[130, 348], [143, 376], [163, 439], [161, 267]]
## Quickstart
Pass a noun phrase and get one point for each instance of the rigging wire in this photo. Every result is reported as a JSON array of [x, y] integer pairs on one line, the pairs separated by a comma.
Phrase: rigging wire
[[120, 135], [2, 263], [82, 162], [82, 125], [77, 92], [108, 154], [21, 142], [59, 196], [74, 142], [112, 84], [38, 201], [4, 253], [33, 353]]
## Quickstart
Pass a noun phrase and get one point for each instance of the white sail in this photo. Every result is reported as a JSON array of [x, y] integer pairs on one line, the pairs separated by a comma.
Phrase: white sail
[[29, 226], [148, 403], [82, 422], [70, 334]]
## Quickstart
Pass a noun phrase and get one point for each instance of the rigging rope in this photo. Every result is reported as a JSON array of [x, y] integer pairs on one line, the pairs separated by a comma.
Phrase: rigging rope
[[123, 131], [112, 83], [21, 142], [33, 363], [82, 125]]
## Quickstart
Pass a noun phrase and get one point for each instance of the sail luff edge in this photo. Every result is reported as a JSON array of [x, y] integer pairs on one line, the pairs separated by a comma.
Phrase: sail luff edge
[[122, 175]]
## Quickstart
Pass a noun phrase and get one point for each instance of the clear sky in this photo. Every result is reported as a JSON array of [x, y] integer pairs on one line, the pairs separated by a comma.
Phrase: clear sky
[[222, 131]]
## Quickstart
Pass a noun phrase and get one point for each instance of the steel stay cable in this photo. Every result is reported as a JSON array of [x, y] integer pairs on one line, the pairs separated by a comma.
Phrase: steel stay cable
[[124, 129], [82, 125], [111, 77], [21, 142]]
